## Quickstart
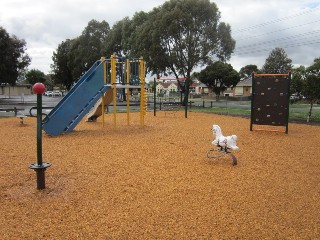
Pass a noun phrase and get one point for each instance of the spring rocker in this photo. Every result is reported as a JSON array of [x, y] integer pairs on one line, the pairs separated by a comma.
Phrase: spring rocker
[[223, 144]]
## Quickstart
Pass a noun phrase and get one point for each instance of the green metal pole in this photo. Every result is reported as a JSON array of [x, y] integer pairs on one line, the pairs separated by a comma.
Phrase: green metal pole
[[39, 129], [41, 182], [39, 167], [154, 97]]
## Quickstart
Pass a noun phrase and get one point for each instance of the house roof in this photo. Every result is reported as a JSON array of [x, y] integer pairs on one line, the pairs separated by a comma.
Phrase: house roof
[[194, 84], [246, 82], [167, 84]]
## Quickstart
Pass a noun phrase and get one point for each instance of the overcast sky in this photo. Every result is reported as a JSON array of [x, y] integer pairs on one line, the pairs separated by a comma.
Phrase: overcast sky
[[258, 26]]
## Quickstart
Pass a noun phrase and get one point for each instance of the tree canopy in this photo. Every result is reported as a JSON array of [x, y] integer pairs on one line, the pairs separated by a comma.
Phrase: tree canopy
[[247, 70], [219, 76], [312, 87], [34, 76], [13, 57], [173, 38], [297, 80], [87, 48], [306, 82], [61, 67], [181, 35], [184, 34], [277, 62], [75, 56], [123, 36]]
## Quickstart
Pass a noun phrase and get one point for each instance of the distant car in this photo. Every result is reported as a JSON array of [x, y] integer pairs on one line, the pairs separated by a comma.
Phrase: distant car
[[53, 93], [56, 94], [294, 98], [48, 93]]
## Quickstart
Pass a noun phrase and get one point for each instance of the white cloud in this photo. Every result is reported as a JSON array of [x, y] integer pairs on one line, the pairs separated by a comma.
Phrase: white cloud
[[45, 24], [260, 26]]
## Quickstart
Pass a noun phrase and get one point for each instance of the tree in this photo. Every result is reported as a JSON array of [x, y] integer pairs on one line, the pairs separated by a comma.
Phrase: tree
[[277, 62], [13, 59], [145, 41], [61, 71], [118, 39], [219, 76], [226, 43], [88, 47], [184, 34], [315, 67], [75, 56], [297, 80], [247, 70], [49, 81], [33, 76], [311, 88]]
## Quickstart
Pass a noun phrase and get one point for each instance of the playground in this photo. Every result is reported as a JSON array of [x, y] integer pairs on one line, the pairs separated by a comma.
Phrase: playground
[[156, 182]]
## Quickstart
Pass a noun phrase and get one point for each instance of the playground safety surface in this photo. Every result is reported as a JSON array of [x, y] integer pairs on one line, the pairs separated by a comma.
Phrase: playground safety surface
[[156, 182]]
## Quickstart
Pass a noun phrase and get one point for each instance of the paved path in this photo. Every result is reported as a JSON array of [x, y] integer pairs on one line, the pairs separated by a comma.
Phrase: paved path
[[28, 101]]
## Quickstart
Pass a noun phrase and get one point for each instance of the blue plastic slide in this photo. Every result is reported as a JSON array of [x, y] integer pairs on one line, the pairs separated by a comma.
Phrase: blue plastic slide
[[77, 103]]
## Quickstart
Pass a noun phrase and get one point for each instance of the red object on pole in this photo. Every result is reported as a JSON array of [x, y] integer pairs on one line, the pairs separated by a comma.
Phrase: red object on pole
[[39, 88], [40, 167]]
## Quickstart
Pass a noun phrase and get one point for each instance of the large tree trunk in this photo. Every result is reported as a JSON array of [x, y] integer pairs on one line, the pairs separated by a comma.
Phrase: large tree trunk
[[186, 92]]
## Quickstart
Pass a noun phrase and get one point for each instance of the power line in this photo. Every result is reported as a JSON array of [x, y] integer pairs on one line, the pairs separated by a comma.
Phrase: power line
[[295, 40], [275, 21], [292, 38], [280, 30], [259, 50]]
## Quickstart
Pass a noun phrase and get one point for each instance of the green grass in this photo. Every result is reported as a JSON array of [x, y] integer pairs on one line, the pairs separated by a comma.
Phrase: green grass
[[303, 114], [296, 111], [222, 110]]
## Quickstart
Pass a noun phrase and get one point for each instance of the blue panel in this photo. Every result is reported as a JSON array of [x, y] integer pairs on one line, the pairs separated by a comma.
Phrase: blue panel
[[77, 103]]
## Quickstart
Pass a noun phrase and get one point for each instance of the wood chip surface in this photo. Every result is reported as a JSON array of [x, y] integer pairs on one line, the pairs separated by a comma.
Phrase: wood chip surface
[[156, 182]]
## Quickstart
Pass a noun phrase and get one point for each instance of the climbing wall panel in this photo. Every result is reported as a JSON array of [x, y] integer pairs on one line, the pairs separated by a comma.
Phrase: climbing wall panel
[[270, 100]]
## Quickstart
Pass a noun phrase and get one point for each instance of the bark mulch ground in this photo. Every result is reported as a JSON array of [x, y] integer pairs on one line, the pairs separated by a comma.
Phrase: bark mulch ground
[[156, 182]]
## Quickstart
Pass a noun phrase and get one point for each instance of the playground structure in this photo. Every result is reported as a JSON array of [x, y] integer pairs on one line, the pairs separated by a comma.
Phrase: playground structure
[[96, 89], [224, 144], [270, 100]]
